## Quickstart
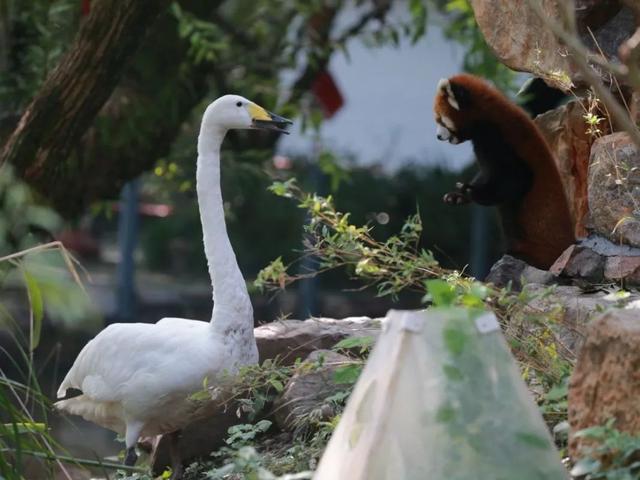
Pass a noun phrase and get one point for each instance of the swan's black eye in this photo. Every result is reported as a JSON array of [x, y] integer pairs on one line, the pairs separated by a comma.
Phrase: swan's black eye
[[239, 104]]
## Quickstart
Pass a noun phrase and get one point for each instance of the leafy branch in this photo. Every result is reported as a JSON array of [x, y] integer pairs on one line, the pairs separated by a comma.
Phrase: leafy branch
[[333, 241]]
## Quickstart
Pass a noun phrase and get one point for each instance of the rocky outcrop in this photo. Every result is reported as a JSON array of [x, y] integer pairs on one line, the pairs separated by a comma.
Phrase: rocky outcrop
[[605, 383], [565, 131], [306, 392], [521, 41], [291, 339], [568, 312], [614, 188]]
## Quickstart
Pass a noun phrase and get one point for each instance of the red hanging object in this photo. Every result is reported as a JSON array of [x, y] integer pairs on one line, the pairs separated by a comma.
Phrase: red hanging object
[[327, 94], [85, 7]]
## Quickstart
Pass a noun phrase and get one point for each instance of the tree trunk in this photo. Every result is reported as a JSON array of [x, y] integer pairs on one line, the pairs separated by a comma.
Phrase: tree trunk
[[74, 92]]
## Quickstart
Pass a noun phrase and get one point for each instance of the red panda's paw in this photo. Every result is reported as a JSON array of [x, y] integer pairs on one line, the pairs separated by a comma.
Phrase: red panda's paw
[[456, 198], [460, 196], [464, 188]]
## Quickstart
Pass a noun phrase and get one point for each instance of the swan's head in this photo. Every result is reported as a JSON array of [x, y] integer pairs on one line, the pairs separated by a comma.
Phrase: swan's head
[[236, 112]]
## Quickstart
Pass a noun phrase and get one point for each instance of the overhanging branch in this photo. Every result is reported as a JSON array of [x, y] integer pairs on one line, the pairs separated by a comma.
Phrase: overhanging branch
[[76, 89]]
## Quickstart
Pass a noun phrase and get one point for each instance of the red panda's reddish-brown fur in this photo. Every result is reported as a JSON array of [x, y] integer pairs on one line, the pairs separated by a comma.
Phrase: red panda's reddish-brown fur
[[515, 161]]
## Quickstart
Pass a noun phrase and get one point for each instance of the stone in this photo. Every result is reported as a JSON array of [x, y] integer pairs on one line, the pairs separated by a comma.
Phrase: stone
[[521, 41], [307, 390], [561, 262], [535, 275], [291, 339], [606, 247], [197, 440], [585, 264], [570, 311], [518, 272], [564, 129], [606, 382], [619, 267], [598, 260], [614, 188], [507, 269]]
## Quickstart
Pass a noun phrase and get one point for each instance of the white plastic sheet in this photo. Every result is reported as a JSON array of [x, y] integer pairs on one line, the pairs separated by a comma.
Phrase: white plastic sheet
[[441, 398]]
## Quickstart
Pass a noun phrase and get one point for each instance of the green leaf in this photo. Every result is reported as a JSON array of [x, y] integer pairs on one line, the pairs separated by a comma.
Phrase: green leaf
[[26, 427], [364, 343], [277, 384], [533, 440], [446, 414], [455, 340], [585, 466], [557, 392], [263, 425], [37, 307], [453, 373], [441, 293], [347, 373]]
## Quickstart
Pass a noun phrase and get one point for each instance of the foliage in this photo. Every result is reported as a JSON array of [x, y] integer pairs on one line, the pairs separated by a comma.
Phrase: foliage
[[392, 265], [608, 454], [24, 432], [22, 218], [43, 30]]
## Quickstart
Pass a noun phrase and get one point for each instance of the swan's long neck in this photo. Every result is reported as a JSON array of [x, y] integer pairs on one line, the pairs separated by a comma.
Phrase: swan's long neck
[[232, 311]]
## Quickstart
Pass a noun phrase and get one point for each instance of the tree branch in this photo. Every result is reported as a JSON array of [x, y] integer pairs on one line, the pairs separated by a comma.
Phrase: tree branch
[[74, 92]]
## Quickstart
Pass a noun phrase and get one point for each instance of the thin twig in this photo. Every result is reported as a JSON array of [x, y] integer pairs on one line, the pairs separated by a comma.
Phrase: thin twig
[[580, 53]]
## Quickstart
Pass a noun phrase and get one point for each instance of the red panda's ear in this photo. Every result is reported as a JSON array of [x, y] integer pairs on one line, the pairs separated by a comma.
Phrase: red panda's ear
[[460, 97]]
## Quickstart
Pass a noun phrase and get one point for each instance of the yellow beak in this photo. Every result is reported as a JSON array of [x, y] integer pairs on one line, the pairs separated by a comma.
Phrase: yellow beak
[[263, 119]]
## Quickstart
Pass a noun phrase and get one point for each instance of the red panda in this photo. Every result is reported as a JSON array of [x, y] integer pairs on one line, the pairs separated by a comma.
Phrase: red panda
[[517, 172]]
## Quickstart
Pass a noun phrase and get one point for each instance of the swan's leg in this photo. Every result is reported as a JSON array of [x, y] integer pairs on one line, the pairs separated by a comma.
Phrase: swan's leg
[[131, 458], [174, 454], [131, 438]]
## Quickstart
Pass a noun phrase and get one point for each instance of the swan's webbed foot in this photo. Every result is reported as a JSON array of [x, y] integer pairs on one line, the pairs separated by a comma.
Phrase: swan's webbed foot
[[131, 458]]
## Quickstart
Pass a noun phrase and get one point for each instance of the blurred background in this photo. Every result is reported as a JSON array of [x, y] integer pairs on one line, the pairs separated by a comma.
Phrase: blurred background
[[358, 79]]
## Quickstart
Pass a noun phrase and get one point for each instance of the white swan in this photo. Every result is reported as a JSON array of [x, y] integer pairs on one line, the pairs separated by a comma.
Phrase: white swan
[[135, 378]]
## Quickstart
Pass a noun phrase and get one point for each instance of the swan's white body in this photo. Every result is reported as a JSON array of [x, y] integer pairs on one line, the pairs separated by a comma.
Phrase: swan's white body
[[136, 378]]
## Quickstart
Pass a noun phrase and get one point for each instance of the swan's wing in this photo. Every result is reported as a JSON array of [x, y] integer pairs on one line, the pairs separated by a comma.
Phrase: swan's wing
[[180, 322], [130, 358]]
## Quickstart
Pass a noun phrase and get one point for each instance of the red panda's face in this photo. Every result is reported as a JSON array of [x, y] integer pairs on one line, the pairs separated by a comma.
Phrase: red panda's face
[[447, 114]]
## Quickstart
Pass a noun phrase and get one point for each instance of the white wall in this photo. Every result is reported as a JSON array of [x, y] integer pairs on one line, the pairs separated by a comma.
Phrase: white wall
[[387, 118]]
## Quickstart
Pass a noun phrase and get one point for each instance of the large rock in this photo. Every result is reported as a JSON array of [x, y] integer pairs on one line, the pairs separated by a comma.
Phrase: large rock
[[307, 390], [512, 271], [614, 188], [569, 311], [597, 260], [521, 41], [565, 130], [291, 339], [605, 383], [197, 440], [518, 37]]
